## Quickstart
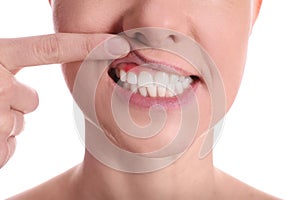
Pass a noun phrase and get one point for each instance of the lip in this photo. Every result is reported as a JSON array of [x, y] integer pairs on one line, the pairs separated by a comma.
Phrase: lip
[[139, 101], [139, 59]]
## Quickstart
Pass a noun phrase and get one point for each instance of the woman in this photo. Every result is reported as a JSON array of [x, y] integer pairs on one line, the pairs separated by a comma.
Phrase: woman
[[206, 22]]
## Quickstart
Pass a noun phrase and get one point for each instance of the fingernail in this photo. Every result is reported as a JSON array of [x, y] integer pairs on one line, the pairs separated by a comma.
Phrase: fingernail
[[117, 46]]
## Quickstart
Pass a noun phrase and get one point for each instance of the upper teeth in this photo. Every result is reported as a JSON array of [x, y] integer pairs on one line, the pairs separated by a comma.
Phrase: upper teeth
[[159, 84]]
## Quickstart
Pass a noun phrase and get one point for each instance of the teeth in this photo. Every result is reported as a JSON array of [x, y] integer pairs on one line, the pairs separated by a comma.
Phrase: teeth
[[122, 75], [144, 79], [186, 82], [131, 78], [152, 90], [173, 78], [133, 88], [161, 79], [143, 91], [160, 84], [179, 88], [161, 91], [181, 78], [171, 90]]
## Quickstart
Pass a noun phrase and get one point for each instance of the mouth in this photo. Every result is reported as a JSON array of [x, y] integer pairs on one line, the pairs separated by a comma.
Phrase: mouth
[[150, 82]]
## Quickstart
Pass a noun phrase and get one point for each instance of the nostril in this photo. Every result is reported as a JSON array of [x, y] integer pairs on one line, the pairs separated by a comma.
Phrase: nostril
[[155, 40], [154, 37], [141, 38], [174, 38]]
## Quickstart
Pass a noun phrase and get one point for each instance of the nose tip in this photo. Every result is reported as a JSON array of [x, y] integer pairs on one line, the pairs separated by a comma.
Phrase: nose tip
[[155, 22]]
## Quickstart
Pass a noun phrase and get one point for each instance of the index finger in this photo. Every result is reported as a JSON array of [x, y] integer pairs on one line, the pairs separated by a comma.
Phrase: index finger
[[59, 48]]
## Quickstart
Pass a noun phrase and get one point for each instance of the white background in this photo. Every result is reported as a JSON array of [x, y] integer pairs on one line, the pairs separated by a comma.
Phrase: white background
[[260, 140]]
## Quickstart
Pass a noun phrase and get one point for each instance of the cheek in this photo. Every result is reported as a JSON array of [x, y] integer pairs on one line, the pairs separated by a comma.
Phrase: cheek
[[230, 60], [225, 37], [90, 16], [227, 48], [231, 66]]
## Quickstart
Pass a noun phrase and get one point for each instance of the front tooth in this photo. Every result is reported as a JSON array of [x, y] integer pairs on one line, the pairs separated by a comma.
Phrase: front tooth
[[122, 75], [161, 79], [131, 78], [144, 79], [179, 88], [161, 91], [152, 90], [143, 91]]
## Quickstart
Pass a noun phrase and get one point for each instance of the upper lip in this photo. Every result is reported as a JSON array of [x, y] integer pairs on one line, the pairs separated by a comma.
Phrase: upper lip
[[139, 59]]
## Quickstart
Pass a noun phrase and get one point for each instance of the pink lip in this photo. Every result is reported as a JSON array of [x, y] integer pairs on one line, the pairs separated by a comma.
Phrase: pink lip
[[137, 58], [140, 101]]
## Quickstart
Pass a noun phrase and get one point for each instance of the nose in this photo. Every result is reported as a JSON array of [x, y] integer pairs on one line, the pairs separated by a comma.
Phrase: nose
[[145, 18]]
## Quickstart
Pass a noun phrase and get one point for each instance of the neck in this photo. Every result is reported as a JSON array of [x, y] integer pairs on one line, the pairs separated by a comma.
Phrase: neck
[[188, 176]]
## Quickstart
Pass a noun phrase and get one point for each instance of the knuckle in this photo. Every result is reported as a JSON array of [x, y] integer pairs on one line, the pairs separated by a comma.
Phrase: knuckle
[[6, 124], [7, 84], [11, 141], [34, 102], [88, 45], [18, 124], [47, 49]]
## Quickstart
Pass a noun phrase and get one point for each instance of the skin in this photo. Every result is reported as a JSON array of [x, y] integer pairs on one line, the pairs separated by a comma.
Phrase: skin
[[200, 20]]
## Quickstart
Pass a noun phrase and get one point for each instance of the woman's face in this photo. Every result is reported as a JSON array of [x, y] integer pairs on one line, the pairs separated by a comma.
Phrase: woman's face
[[221, 27]]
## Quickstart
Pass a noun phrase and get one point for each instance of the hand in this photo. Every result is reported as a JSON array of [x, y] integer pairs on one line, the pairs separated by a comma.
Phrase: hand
[[17, 99]]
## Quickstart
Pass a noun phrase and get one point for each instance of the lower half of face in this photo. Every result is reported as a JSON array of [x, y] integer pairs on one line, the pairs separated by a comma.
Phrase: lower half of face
[[153, 79]]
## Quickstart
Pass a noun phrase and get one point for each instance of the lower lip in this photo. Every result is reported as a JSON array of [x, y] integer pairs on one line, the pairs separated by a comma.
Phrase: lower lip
[[139, 101]]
